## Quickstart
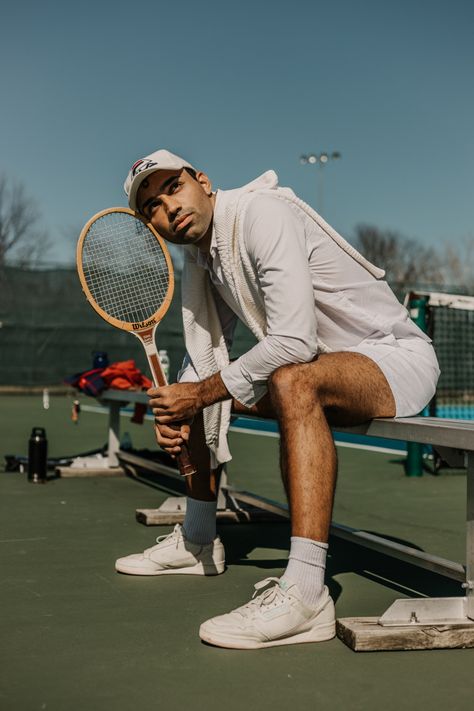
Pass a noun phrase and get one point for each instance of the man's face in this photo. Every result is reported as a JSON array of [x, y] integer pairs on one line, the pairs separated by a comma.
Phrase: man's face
[[178, 206]]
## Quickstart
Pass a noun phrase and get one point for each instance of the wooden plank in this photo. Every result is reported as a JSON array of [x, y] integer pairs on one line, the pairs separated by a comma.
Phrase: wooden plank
[[364, 634], [363, 539], [86, 472], [458, 434], [157, 517], [123, 396], [134, 461], [407, 554], [254, 501]]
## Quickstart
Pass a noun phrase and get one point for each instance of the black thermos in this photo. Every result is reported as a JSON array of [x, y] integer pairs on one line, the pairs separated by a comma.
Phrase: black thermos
[[37, 456]]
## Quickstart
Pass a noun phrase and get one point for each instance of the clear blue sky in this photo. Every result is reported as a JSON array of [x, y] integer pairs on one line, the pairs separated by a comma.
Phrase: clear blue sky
[[240, 87]]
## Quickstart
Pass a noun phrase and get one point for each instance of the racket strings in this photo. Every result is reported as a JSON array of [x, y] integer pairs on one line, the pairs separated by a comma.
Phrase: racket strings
[[125, 267]]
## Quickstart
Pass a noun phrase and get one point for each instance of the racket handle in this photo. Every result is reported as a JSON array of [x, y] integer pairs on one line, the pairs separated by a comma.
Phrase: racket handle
[[186, 467]]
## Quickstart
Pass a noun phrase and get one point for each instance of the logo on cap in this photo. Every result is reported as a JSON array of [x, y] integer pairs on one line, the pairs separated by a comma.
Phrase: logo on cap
[[142, 165]]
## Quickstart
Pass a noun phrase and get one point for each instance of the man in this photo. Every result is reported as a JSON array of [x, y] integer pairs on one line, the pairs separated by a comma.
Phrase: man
[[334, 347]]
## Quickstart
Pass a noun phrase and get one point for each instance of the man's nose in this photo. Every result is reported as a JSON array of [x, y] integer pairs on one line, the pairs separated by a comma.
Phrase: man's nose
[[170, 204]]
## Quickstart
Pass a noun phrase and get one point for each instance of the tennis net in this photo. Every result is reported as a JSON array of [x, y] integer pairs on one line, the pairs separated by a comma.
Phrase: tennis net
[[450, 323]]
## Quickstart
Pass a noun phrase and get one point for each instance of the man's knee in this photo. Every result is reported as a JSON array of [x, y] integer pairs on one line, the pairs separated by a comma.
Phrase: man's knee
[[291, 384], [283, 379]]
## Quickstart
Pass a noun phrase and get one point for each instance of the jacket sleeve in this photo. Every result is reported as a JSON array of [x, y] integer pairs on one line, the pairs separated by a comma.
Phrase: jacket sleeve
[[275, 240]]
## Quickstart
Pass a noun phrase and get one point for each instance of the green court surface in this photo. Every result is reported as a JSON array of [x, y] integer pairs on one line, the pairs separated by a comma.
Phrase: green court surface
[[76, 635]]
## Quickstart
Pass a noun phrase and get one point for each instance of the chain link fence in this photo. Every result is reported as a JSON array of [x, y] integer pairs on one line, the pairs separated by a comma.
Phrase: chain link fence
[[48, 331]]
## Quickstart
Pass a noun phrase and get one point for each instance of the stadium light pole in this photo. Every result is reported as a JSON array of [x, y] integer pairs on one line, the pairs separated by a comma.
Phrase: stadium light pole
[[320, 160]]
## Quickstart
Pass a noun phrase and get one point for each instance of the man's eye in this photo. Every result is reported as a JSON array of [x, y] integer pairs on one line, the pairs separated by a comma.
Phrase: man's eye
[[175, 186], [152, 207]]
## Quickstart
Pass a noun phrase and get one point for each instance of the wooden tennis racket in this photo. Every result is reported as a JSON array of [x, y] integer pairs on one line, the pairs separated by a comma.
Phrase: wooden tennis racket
[[127, 276]]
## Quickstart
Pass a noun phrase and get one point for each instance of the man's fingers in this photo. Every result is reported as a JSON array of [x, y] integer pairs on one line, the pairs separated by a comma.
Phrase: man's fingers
[[158, 406], [172, 451], [162, 420], [184, 431], [169, 437], [181, 429], [168, 431]]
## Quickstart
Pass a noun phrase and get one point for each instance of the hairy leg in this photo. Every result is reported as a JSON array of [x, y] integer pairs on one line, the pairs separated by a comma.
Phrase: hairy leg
[[336, 388], [263, 408], [204, 484]]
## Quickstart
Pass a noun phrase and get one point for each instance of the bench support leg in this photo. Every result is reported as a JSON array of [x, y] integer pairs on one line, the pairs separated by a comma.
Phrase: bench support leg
[[99, 464], [114, 434], [422, 623], [469, 584]]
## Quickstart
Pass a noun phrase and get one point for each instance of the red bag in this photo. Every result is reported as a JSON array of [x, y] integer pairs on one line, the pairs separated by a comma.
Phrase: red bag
[[124, 375]]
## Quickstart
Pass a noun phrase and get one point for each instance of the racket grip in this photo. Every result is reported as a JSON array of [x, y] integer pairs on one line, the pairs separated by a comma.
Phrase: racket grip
[[186, 467]]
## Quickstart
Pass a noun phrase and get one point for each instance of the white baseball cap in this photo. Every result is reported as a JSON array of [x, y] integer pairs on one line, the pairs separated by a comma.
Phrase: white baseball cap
[[159, 160]]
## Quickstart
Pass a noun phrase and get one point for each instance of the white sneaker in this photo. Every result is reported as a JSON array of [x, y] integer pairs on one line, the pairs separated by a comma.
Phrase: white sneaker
[[273, 617], [173, 554]]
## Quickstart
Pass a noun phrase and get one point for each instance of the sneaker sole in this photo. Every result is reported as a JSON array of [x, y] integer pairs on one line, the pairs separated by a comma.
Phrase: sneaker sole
[[198, 569], [320, 633]]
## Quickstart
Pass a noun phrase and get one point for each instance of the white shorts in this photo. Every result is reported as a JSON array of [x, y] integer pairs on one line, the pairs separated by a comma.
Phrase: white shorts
[[410, 366]]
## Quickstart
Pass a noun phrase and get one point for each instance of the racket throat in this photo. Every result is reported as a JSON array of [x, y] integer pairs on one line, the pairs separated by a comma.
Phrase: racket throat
[[147, 337]]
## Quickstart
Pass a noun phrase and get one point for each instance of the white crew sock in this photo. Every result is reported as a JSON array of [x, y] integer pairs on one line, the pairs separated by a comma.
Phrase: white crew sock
[[200, 521], [306, 567]]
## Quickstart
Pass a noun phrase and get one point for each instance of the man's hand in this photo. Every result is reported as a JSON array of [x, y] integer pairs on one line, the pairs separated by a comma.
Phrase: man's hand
[[181, 401], [173, 403], [170, 439]]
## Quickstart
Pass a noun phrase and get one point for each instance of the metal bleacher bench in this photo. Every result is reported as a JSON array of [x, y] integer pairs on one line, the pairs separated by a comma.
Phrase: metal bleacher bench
[[449, 621]]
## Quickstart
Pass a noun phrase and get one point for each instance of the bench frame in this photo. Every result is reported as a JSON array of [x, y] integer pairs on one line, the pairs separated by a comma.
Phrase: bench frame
[[453, 438]]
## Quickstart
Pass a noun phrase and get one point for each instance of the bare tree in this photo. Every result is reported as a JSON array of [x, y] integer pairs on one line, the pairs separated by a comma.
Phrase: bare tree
[[458, 263], [406, 261], [20, 238]]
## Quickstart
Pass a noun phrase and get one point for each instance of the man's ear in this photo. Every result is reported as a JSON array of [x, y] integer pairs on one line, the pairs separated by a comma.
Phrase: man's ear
[[205, 182]]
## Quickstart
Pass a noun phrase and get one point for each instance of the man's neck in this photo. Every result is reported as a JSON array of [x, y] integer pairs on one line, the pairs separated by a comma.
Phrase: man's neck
[[204, 244]]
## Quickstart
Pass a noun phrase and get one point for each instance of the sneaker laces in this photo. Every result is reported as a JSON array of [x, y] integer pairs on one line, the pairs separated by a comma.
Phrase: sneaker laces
[[176, 533], [273, 595]]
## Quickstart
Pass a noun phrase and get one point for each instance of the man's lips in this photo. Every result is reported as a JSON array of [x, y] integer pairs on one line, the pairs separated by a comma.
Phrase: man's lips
[[182, 222]]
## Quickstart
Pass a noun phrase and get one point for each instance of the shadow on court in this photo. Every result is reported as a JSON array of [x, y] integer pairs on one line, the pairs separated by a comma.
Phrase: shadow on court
[[240, 541]]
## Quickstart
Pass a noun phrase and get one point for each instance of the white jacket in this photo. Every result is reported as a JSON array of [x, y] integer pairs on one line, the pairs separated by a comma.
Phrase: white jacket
[[269, 257]]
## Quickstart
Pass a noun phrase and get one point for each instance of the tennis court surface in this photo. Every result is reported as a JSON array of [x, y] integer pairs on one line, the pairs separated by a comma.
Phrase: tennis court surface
[[77, 635]]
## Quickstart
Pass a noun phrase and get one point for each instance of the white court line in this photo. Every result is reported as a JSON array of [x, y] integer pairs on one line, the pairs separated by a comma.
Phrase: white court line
[[20, 540], [96, 408], [371, 448], [246, 430]]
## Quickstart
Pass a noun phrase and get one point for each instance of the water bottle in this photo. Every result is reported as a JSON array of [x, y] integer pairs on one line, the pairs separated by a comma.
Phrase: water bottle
[[37, 456], [165, 364]]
